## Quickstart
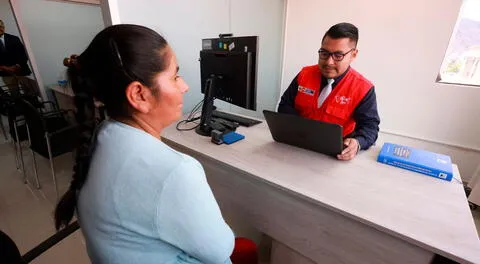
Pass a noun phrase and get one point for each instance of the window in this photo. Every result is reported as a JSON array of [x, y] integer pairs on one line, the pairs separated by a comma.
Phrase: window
[[461, 64]]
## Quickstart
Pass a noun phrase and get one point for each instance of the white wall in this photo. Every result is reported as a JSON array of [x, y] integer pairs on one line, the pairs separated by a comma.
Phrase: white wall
[[184, 23], [264, 18], [57, 29], [402, 44], [6, 15]]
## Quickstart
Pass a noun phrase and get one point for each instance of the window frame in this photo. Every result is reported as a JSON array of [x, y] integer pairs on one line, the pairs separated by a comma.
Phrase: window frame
[[444, 80]]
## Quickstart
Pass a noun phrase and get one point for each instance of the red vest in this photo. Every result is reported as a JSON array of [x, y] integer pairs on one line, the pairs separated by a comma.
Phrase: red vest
[[338, 107]]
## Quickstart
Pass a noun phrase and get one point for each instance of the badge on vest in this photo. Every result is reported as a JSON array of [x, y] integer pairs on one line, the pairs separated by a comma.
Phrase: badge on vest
[[306, 90], [342, 99]]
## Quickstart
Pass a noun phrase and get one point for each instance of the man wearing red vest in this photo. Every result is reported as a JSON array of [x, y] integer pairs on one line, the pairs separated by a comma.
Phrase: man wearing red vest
[[334, 92]]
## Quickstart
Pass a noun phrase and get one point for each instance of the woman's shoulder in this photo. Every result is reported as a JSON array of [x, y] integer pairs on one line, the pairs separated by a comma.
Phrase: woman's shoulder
[[123, 135], [131, 141]]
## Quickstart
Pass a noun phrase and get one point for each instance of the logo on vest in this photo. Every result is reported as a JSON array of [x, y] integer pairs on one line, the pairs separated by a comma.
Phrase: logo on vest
[[342, 99], [306, 90]]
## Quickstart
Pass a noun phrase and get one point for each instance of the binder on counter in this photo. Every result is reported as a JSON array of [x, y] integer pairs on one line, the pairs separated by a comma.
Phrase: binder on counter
[[425, 162]]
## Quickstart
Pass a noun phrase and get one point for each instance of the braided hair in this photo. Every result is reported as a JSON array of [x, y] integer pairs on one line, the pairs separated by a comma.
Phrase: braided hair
[[117, 56]]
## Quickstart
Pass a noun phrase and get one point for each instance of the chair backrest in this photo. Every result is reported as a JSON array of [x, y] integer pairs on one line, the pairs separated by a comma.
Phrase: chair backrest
[[14, 112], [13, 108], [6, 99], [29, 86], [13, 87], [36, 124], [9, 93]]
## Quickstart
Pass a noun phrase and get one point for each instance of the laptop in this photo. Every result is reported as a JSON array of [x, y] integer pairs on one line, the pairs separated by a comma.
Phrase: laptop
[[305, 133]]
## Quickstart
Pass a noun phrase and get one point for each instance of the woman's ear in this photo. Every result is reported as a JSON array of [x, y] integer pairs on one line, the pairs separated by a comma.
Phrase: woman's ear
[[139, 97]]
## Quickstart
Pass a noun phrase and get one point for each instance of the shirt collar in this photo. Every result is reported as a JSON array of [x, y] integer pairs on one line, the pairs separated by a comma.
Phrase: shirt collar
[[337, 80]]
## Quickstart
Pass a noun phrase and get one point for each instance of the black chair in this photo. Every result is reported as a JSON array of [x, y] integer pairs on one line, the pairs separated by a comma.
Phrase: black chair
[[10, 254], [28, 86], [17, 127], [8, 93], [19, 87], [49, 135], [5, 101], [18, 133]]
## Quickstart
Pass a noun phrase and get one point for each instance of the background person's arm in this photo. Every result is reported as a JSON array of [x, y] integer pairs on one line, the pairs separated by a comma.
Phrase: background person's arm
[[287, 102], [20, 55]]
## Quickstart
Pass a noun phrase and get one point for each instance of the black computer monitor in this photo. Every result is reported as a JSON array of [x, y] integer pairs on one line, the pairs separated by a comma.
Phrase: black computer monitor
[[228, 69]]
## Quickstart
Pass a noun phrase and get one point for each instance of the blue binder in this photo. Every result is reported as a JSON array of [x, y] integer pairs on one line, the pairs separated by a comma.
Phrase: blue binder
[[425, 162]]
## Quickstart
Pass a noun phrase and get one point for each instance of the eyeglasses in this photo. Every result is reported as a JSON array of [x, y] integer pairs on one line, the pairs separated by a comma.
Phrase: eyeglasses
[[336, 56]]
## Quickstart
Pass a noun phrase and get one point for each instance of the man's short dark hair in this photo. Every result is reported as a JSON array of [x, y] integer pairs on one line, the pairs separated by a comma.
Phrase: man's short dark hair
[[343, 30]]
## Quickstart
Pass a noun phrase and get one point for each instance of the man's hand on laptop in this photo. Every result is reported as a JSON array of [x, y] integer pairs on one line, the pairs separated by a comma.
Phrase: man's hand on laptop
[[351, 149]]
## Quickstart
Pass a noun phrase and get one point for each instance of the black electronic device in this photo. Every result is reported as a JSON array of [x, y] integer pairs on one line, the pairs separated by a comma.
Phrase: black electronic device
[[228, 70], [305, 133], [243, 121]]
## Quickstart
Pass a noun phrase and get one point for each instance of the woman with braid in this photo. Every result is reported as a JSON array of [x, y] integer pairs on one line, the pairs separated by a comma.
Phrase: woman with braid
[[137, 200]]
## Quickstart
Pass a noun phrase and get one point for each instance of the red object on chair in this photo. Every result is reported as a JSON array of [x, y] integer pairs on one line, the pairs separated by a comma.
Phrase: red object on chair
[[245, 252]]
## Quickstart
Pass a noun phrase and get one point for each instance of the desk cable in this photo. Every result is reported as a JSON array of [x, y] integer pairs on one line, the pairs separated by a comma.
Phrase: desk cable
[[191, 118], [456, 179]]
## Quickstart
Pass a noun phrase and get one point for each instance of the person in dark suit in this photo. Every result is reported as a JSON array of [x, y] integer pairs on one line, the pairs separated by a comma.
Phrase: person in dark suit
[[13, 58]]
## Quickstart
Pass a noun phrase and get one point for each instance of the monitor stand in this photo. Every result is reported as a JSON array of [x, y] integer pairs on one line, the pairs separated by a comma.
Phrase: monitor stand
[[207, 122]]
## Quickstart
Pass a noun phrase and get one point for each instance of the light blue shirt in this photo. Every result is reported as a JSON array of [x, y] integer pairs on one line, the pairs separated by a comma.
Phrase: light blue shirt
[[144, 202]]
